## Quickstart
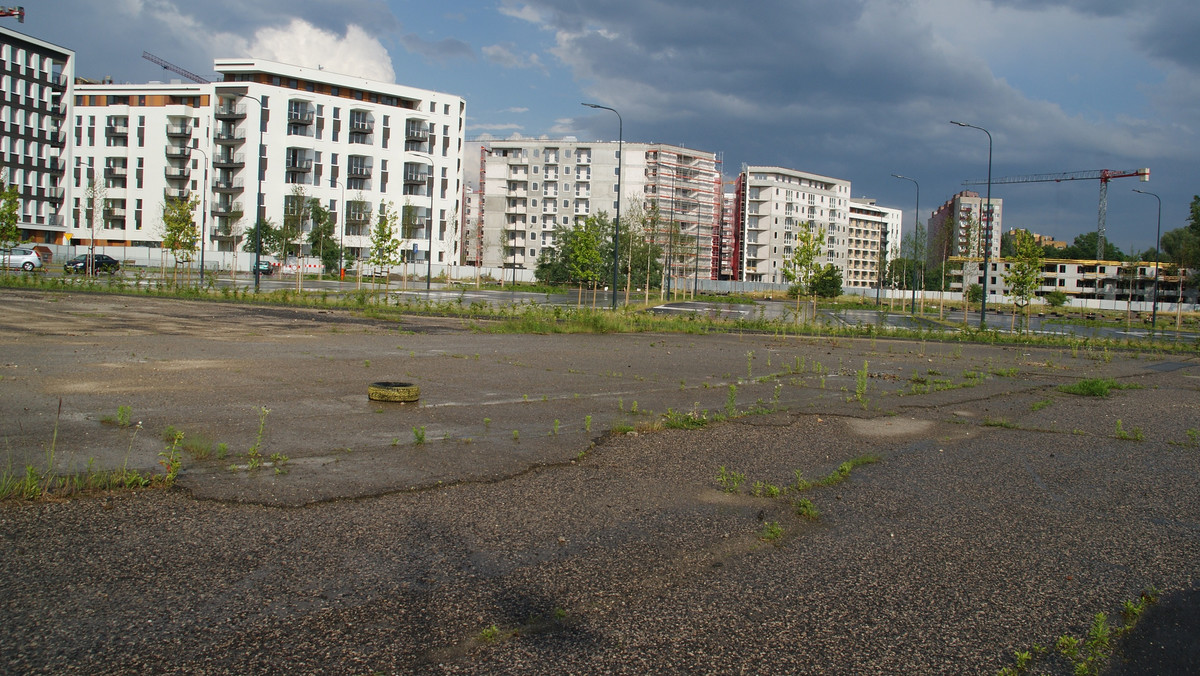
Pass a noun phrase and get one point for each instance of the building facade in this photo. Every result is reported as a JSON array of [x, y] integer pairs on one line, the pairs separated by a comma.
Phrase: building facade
[[775, 204], [528, 187], [262, 143], [873, 230], [36, 81], [959, 227]]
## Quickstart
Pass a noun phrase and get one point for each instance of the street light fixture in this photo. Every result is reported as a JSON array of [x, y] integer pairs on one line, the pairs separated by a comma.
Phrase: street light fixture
[[987, 250], [1157, 255], [916, 222], [258, 170], [620, 188], [343, 214]]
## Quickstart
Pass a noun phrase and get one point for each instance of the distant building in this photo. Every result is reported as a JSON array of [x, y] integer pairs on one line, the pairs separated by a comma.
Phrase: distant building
[[38, 78], [528, 187], [959, 227], [1084, 279], [873, 230], [774, 203]]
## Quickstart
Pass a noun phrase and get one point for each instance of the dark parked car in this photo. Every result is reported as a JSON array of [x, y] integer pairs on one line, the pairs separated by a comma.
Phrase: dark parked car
[[264, 268], [103, 263]]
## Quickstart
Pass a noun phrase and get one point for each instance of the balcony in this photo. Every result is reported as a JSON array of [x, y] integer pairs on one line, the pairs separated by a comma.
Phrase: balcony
[[178, 151], [304, 117], [414, 132], [116, 172], [416, 176], [298, 164], [359, 171], [234, 185], [230, 112], [116, 130], [176, 193], [362, 126], [229, 161], [177, 173], [179, 130], [227, 137], [226, 209]]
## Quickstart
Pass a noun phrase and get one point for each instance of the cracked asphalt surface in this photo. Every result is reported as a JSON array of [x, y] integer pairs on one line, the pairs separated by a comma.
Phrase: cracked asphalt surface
[[525, 536]]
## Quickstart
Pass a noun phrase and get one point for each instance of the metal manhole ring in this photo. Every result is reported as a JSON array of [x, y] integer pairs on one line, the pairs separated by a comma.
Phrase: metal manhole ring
[[393, 391]]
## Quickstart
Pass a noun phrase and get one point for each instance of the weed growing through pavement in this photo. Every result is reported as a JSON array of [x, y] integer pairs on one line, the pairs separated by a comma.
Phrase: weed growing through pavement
[[731, 402], [750, 365], [367, 363], [418, 435], [1096, 387], [587, 423], [806, 509], [1135, 435], [1039, 405], [516, 435], [555, 426], [1000, 422], [860, 385], [771, 531], [730, 481], [490, 634], [254, 455], [171, 459], [280, 461], [124, 416], [1089, 655]]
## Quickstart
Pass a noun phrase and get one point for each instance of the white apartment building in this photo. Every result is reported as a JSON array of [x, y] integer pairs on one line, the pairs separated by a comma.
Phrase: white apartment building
[[36, 79], [873, 229], [776, 203], [528, 187], [245, 144]]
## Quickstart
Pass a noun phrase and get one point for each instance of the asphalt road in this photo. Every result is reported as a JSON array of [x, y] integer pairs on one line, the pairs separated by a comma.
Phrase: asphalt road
[[1002, 512]]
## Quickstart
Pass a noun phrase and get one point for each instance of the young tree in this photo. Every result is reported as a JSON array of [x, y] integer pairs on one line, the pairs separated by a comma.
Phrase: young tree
[[804, 264], [583, 255], [1024, 275], [96, 203], [385, 246], [296, 212], [827, 283], [10, 234], [263, 232], [179, 232], [321, 239]]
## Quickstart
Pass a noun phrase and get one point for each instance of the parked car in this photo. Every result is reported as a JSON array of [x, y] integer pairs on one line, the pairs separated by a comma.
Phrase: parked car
[[20, 257], [102, 263], [264, 267]]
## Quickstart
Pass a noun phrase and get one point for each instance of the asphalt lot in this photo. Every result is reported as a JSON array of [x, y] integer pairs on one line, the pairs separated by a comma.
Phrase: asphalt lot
[[1002, 512]]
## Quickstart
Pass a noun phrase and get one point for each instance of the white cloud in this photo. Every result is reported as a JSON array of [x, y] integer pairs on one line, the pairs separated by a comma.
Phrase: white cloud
[[503, 55], [302, 44]]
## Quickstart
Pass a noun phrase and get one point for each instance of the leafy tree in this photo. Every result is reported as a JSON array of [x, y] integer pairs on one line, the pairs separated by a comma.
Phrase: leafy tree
[[1084, 248], [1194, 216], [1056, 298], [296, 212], [321, 240], [179, 232], [10, 202], [1024, 275], [385, 246], [827, 283], [803, 265], [269, 234], [583, 253], [974, 293]]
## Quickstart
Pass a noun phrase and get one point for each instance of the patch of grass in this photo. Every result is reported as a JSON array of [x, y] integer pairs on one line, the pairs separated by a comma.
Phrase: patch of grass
[[771, 531], [587, 423], [1005, 373], [1096, 387], [730, 481], [1039, 405], [489, 634], [806, 509], [680, 420], [1135, 435], [418, 435], [1000, 422]]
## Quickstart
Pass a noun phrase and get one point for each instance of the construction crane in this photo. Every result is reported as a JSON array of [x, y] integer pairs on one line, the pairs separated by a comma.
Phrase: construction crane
[[167, 65], [18, 12], [1102, 175]]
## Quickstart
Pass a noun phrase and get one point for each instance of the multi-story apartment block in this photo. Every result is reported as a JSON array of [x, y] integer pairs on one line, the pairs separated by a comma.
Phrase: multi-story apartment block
[[134, 147], [1085, 279], [774, 203], [36, 79], [529, 187], [960, 228], [873, 229], [264, 139]]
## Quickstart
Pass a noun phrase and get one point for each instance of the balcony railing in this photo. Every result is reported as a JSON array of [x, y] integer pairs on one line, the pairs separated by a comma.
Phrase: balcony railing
[[176, 193], [230, 112], [229, 161], [178, 151], [227, 186], [226, 209], [229, 136], [298, 164], [179, 130], [177, 172], [116, 130], [416, 132], [362, 126], [358, 171], [116, 172], [300, 117]]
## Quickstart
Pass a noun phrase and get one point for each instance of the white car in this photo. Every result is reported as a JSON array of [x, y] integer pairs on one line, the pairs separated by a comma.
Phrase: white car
[[20, 257]]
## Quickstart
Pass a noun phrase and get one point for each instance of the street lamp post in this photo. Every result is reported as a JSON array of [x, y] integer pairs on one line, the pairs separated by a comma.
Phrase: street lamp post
[[258, 170], [916, 222], [203, 212], [987, 213], [1157, 255], [620, 188], [342, 215]]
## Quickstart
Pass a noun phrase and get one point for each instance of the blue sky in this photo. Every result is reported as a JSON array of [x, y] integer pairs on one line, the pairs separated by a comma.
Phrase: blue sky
[[857, 89]]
